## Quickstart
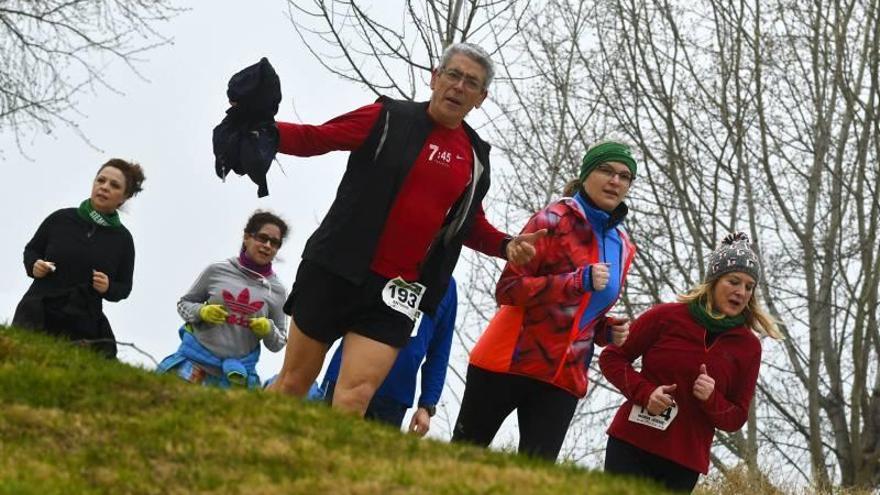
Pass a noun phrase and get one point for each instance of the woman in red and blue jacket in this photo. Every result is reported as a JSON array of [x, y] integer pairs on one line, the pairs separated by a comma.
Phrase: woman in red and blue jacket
[[535, 353], [700, 362]]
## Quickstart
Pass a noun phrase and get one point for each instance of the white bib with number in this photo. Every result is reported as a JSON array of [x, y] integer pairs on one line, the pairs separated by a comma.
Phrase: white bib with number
[[404, 297], [661, 421]]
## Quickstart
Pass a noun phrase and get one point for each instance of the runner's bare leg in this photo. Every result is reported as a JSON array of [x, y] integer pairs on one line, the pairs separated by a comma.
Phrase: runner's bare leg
[[303, 360], [365, 364]]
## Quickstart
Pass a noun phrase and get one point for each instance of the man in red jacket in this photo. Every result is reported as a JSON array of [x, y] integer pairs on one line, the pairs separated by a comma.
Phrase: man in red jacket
[[410, 198]]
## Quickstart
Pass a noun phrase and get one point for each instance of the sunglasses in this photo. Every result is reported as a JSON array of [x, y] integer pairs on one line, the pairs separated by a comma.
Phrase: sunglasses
[[265, 238]]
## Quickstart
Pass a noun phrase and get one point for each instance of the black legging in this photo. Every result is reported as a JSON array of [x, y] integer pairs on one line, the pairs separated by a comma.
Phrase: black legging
[[544, 411], [624, 458]]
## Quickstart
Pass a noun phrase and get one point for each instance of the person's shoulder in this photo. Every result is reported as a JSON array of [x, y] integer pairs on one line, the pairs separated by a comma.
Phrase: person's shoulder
[[562, 207], [127, 237], [666, 310], [565, 205], [402, 105], [221, 269], [123, 230], [662, 316], [231, 265], [550, 215], [218, 267], [63, 217], [751, 338], [369, 108], [63, 213], [276, 283]]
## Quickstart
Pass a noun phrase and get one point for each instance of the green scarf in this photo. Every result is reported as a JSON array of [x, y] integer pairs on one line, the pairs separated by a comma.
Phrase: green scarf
[[711, 322], [86, 212]]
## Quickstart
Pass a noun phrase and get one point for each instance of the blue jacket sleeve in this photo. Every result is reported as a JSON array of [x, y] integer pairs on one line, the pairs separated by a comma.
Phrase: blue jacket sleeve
[[437, 358], [332, 373]]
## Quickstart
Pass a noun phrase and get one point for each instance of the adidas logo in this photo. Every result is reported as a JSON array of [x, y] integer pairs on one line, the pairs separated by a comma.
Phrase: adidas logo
[[240, 307]]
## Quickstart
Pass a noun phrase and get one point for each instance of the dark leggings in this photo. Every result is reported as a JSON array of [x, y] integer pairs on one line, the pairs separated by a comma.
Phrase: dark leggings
[[544, 411], [627, 459]]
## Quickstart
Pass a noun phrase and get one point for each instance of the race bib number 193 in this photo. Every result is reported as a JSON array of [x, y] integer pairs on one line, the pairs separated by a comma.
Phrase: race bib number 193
[[661, 421], [404, 297]]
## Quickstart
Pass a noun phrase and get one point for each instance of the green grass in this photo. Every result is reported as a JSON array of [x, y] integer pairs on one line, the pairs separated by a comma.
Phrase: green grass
[[74, 423]]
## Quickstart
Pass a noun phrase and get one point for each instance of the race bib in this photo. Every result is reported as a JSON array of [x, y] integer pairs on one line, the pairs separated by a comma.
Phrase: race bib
[[661, 421], [404, 297]]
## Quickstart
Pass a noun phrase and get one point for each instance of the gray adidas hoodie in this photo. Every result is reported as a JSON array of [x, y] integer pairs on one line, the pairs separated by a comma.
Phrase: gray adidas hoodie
[[245, 294]]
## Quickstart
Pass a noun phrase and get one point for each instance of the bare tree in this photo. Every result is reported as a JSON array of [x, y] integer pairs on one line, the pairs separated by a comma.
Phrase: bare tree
[[762, 118], [747, 115], [392, 52], [52, 50]]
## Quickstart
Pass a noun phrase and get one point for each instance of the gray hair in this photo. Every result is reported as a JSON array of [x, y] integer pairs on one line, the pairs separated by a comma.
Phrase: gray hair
[[473, 52]]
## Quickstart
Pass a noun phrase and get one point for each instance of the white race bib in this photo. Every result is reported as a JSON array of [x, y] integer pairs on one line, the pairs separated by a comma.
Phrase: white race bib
[[404, 297], [661, 421]]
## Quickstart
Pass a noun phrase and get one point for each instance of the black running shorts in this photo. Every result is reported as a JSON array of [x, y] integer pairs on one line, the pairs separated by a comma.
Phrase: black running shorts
[[326, 306]]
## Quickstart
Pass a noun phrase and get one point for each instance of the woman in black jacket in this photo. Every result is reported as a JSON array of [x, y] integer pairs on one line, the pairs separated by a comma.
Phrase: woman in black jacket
[[79, 256]]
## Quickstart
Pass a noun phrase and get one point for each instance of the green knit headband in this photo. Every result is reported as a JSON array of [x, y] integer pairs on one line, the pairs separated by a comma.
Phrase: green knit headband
[[609, 151]]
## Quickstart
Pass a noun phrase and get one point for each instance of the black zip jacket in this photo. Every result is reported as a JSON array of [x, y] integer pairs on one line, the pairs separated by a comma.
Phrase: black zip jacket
[[345, 242], [65, 298]]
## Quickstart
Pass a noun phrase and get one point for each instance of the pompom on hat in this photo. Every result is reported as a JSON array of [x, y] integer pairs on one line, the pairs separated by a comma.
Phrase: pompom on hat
[[734, 254]]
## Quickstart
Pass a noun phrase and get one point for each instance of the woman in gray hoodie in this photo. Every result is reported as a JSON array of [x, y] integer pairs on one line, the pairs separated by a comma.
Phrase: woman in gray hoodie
[[231, 307]]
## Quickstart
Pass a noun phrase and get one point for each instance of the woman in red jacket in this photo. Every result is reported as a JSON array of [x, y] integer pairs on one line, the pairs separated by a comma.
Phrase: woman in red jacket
[[534, 356], [700, 361]]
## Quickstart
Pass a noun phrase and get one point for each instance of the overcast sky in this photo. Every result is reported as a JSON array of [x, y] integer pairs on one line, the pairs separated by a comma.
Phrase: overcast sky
[[186, 217]]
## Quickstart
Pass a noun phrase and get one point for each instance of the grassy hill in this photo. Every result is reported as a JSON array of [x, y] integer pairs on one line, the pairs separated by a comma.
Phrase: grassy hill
[[72, 423]]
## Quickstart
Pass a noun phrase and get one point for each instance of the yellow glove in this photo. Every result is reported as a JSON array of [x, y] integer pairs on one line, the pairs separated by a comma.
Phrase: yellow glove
[[261, 326], [214, 314]]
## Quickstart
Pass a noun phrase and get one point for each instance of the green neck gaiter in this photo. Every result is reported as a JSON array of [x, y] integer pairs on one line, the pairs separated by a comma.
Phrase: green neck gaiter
[[714, 325], [86, 212]]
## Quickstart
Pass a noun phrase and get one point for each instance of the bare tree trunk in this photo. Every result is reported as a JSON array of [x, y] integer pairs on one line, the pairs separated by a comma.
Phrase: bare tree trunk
[[747, 115]]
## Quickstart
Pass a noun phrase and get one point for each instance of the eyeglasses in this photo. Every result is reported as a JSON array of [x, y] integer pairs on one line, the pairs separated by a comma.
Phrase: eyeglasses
[[608, 172], [453, 76], [265, 238]]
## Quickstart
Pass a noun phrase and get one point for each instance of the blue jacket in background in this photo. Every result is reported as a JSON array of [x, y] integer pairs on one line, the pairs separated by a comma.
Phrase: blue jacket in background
[[431, 344]]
